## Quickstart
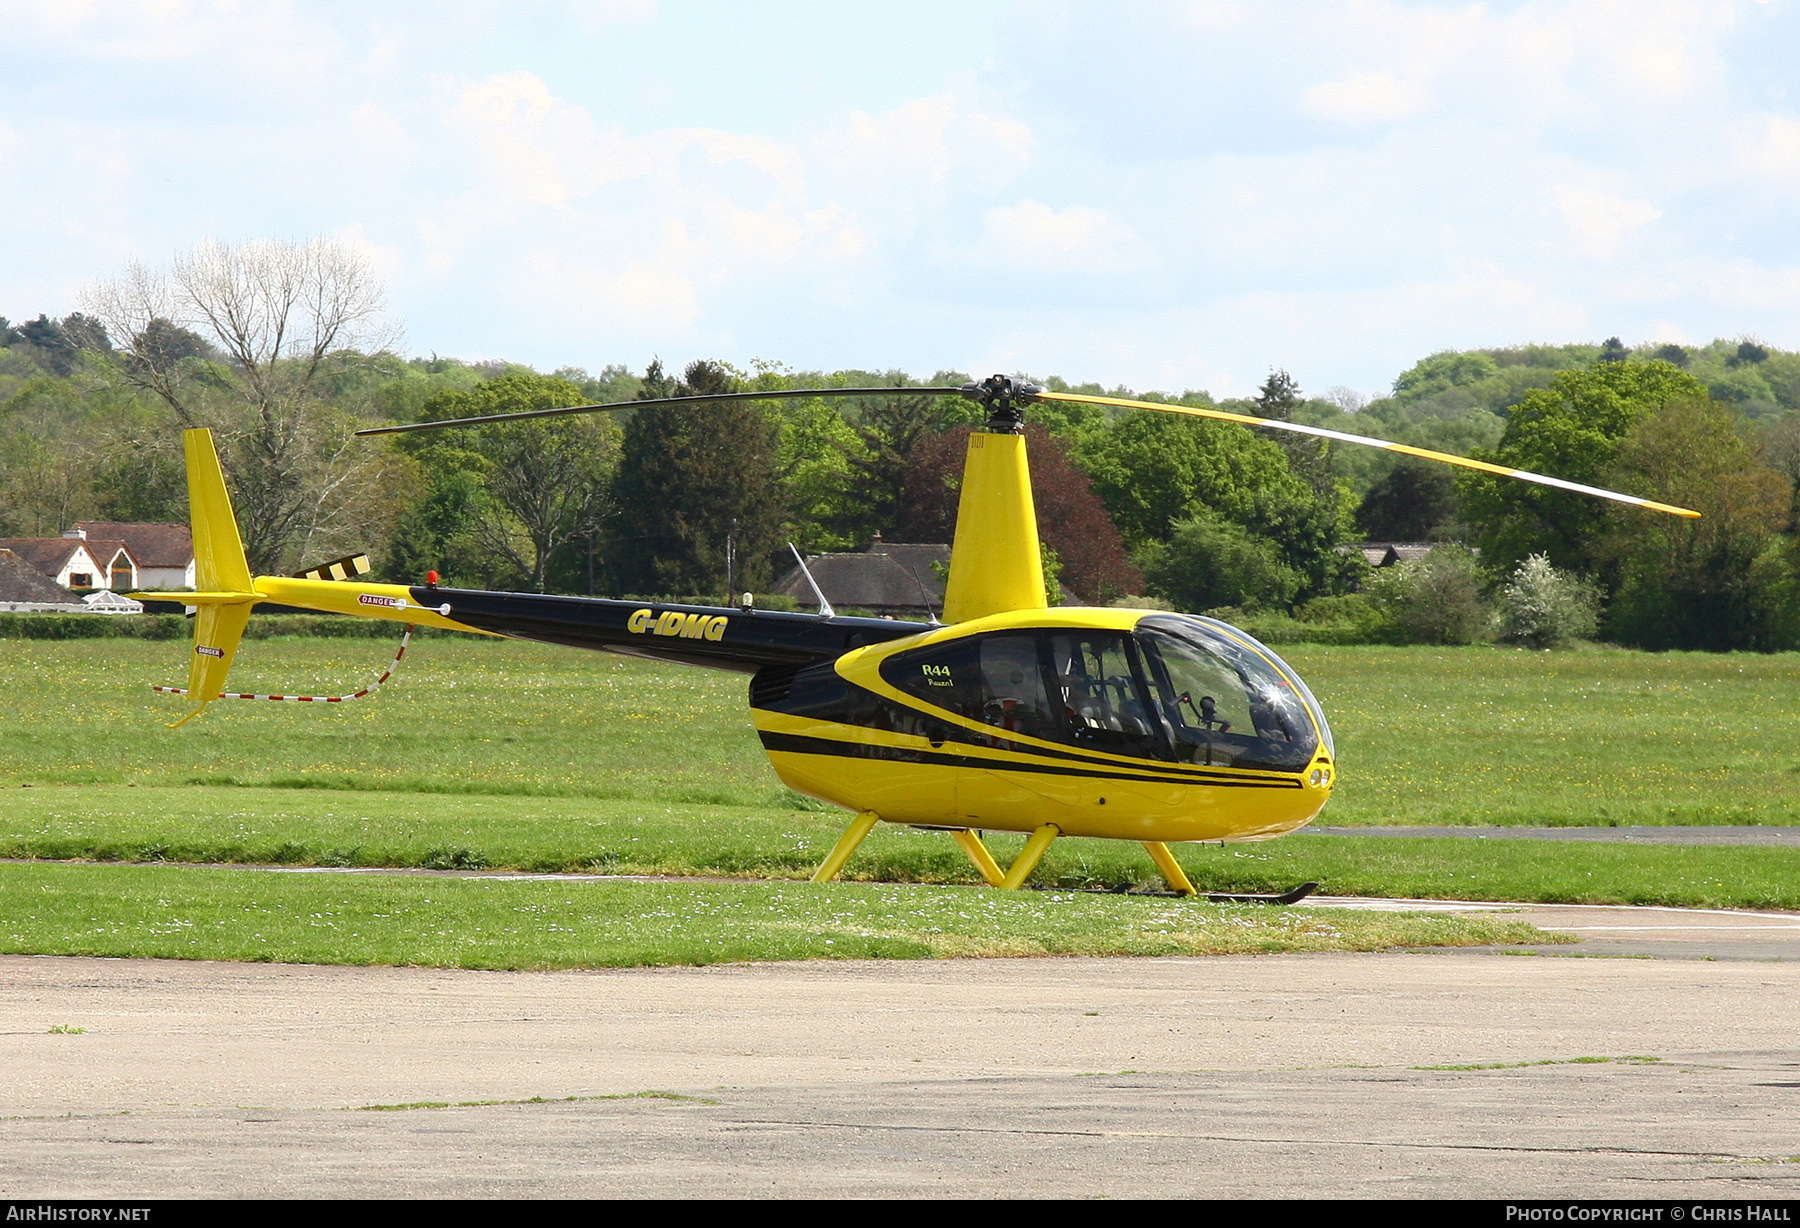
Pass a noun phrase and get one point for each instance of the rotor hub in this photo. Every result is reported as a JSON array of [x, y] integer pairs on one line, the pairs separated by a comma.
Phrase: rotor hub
[[1005, 399]]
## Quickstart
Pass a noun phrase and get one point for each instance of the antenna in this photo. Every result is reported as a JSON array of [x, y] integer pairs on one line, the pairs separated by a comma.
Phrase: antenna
[[825, 610], [923, 592]]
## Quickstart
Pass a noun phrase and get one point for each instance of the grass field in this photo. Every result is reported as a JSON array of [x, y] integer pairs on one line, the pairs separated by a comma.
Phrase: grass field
[[171, 913], [518, 755], [587, 835], [1467, 735]]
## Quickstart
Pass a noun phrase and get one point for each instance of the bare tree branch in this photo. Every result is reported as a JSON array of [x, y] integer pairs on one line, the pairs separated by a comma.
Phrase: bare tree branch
[[281, 315]]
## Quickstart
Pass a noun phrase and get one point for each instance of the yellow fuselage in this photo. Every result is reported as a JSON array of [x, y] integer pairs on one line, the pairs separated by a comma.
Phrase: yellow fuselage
[[971, 776]]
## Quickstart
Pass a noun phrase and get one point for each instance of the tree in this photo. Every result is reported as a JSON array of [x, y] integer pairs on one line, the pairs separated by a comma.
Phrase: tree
[[1211, 562], [1415, 499], [1154, 470], [1781, 452], [891, 429], [282, 316], [1072, 521], [1748, 352], [1685, 583], [56, 344], [1309, 457], [1570, 430], [1443, 371], [686, 474], [45, 466], [141, 483], [818, 485], [541, 484]]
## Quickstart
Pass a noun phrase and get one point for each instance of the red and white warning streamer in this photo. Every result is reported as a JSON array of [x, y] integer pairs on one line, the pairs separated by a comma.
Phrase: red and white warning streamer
[[313, 699]]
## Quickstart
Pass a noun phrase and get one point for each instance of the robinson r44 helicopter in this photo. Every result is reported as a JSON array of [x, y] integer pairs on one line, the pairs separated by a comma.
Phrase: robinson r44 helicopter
[[1008, 716]]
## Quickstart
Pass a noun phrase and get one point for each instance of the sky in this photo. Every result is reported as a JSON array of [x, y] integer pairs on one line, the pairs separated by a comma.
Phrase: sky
[[1159, 195]]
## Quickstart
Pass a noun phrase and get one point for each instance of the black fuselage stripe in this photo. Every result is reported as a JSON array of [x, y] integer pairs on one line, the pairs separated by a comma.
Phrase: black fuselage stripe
[[798, 744], [970, 737]]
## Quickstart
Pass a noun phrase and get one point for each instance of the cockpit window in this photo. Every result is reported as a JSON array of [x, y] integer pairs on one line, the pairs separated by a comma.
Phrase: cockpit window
[[995, 679], [1225, 704], [1102, 696], [1081, 689]]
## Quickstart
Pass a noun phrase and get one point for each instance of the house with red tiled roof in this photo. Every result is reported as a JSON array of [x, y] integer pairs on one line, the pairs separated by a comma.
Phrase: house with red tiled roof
[[163, 550], [76, 560]]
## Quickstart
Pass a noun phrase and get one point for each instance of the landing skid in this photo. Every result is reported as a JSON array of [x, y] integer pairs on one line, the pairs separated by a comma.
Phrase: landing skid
[[1014, 877], [1291, 896]]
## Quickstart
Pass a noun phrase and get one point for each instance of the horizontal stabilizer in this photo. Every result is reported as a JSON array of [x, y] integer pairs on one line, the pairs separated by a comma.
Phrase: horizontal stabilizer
[[347, 568]]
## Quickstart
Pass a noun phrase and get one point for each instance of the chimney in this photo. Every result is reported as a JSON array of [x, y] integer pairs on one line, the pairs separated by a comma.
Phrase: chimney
[[75, 535], [875, 545]]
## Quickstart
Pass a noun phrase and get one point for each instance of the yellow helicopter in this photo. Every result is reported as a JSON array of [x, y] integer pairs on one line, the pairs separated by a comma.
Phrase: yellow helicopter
[[1008, 716]]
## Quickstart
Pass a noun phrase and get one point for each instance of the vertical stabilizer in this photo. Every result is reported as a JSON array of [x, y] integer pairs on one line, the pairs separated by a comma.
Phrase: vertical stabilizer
[[221, 574], [996, 564], [217, 630], [219, 565]]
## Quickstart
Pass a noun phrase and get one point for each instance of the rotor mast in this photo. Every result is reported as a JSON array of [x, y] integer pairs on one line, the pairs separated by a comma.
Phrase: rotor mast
[[996, 561]]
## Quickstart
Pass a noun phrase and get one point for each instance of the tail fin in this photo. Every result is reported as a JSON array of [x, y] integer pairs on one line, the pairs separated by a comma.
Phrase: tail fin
[[221, 575], [219, 564]]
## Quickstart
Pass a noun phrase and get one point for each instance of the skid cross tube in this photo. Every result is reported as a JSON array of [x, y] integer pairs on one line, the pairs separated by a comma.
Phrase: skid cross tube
[[1171, 869], [1028, 857], [853, 835], [978, 853]]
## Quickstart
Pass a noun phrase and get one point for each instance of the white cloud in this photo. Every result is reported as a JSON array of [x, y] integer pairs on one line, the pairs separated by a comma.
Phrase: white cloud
[[539, 149], [381, 134], [1210, 14], [654, 294], [923, 142], [1032, 236], [1744, 287], [1600, 222], [599, 15], [1365, 98], [278, 42], [1770, 147], [385, 259]]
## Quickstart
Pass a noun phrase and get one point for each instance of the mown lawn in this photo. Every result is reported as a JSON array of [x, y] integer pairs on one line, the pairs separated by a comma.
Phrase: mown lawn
[[1590, 737], [1468, 735], [173, 913], [518, 755], [586, 835]]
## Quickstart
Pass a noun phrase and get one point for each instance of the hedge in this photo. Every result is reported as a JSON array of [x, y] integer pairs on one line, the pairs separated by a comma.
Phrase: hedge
[[176, 627]]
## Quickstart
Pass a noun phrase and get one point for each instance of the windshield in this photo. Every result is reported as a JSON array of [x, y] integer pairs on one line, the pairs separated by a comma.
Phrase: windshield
[[1228, 700]]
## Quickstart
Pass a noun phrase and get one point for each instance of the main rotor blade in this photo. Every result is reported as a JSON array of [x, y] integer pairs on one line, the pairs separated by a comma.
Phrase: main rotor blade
[[1366, 441], [717, 396]]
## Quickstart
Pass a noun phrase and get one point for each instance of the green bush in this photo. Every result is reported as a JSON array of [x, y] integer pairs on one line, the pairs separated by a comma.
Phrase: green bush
[[1544, 607], [93, 626], [1211, 562], [1324, 620], [1433, 600], [176, 627]]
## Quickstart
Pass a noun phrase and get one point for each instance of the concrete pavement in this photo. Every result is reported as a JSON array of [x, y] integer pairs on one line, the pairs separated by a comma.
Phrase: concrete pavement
[[1278, 1075]]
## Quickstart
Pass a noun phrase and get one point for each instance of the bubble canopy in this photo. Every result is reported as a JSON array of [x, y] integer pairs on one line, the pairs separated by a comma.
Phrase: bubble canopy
[[1228, 699]]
